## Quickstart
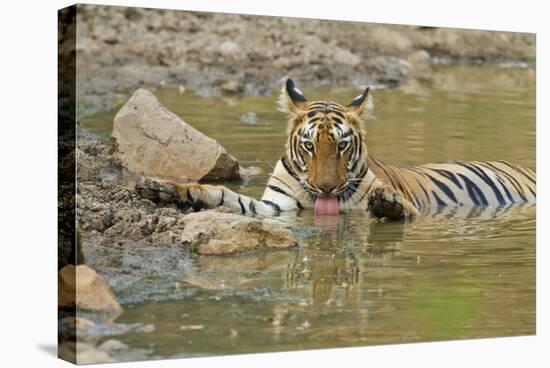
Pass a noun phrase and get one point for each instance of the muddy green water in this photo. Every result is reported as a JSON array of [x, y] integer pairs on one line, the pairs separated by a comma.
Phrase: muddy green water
[[353, 281]]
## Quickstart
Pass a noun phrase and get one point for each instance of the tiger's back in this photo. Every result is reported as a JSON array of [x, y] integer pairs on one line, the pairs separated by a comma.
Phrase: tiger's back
[[460, 183]]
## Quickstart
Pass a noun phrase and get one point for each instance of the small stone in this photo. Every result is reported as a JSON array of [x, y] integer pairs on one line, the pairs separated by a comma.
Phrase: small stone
[[230, 49], [233, 333], [304, 326], [181, 89], [78, 325], [231, 87], [248, 172], [112, 345], [83, 323], [191, 327], [146, 328], [249, 118], [420, 63], [88, 354], [419, 57]]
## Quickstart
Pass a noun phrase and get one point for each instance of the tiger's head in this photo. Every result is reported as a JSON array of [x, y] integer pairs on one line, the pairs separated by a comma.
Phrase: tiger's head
[[325, 143]]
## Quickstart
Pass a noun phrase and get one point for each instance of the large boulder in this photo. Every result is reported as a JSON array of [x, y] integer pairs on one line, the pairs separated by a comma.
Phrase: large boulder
[[83, 287], [153, 141], [215, 233]]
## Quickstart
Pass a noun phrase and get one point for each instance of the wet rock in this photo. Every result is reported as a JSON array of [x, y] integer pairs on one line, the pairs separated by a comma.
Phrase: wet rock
[[231, 87], [420, 62], [82, 286], [88, 354], [71, 327], [112, 345], [249, 118], [146, 328], [153, 141], [215, 233], [248, 172], [420, 57], [191, 327], [282, 63]]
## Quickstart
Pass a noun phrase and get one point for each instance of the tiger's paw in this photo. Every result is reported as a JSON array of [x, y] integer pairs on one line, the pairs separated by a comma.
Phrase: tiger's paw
[[385, 202], [184, 196]]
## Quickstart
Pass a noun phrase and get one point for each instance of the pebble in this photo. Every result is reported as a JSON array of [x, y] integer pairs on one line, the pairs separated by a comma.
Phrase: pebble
[[231, 87], [146, 328], [191, 327], [249, 118], [112, 345], [229, 48]]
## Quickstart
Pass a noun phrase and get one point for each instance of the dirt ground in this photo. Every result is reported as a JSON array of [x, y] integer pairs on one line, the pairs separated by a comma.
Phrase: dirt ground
[[119, 49]]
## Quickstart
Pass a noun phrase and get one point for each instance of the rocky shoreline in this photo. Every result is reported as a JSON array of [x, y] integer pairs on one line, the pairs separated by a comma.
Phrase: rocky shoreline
[[128, 236], [120, 49], [113, 218], [133, 250]]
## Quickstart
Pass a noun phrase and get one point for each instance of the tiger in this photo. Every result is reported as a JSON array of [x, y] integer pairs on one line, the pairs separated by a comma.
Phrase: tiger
[[326, 167]]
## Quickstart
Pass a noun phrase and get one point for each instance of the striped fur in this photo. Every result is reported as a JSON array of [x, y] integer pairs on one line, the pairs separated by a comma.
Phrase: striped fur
[[326, 155]]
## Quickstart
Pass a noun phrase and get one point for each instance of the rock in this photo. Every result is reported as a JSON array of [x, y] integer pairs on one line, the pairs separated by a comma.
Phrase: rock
[[71, 327], [88, 354], [249, 118], [419, 57], [112, 345], [191, 327], [250, 171], [247, 173], [146, 328], [215, 233], [230, 49], [345, 57], [82, 323], [390, 40], [282, 63], [87, 287], [231, 87], [420, 62], [153, 141]]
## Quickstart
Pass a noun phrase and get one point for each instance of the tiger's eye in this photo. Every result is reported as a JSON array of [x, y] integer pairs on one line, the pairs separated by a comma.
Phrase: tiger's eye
[[343, 145], [308, 145]]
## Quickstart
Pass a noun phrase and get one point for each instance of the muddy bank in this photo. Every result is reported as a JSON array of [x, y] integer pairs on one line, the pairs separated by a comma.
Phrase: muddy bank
[[135, 243], [122, 48]]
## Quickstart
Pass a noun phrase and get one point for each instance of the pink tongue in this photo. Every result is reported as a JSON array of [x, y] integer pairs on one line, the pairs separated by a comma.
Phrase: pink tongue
[[326, 206]]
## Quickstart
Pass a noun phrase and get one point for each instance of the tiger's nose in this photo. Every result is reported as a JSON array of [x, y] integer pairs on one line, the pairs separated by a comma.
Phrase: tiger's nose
[[327, 187]]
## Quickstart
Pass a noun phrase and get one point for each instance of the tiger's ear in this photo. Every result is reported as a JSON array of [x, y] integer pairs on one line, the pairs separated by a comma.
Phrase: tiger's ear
[[361, 105], [292, 100]]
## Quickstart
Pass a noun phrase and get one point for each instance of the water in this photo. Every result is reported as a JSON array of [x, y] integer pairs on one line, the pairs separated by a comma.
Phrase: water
[[448, 275]]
